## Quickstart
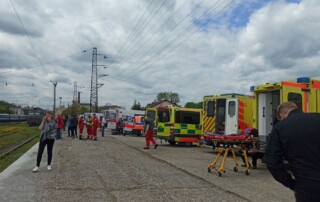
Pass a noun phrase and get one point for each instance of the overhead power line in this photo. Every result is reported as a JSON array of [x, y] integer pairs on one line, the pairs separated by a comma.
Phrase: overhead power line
[[128, 73], [133, 31], [138, 48], [28, 36], [164, 37], [147, 23]]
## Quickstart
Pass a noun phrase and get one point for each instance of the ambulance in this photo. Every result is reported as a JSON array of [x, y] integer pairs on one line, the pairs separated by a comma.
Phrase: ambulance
[[177, 125], [227, 113], [131, 121], [138, 125], [126, 115], [303, 91], [111, 118]]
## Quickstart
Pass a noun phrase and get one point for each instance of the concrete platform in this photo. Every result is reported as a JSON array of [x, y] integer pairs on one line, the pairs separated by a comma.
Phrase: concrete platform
[[116, 168]]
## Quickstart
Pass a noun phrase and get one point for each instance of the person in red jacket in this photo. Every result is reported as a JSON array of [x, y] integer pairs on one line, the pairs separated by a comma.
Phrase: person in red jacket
[[95, 126], [60, 126], [81, 126], [89, 127]]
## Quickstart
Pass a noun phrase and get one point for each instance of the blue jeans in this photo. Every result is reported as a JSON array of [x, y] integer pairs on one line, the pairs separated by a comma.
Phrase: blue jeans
[[58, 133]]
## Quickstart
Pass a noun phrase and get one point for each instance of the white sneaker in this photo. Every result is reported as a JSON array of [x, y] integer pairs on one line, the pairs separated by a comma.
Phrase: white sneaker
[[49, 167], [35, 169]]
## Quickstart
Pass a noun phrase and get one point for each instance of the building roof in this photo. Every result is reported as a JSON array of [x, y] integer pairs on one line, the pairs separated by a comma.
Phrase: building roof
[[157, 104]]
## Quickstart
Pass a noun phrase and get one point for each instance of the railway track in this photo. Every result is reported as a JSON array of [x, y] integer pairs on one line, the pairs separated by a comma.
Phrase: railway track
[[3, 134], [11, 149]]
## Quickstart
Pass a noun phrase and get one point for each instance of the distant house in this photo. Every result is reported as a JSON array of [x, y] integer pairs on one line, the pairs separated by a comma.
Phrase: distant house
[[162, 103], [109, 106], [17, 109], [34, 111]]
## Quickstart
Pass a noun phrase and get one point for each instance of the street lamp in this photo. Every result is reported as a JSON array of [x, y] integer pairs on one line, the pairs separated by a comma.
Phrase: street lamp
[[54, 97]]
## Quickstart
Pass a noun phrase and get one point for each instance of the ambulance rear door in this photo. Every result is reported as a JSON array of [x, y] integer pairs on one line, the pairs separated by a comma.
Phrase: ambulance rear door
[[208, 119], [264, 114], [232, 111]]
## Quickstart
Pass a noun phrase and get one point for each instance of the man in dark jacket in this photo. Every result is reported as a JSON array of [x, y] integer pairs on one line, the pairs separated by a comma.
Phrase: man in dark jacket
[[297, 139]]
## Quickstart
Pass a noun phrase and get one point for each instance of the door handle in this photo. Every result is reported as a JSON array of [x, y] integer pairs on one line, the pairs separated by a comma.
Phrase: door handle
[[263, 112]]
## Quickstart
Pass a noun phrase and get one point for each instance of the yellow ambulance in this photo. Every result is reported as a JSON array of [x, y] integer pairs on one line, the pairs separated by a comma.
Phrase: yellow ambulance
[[303, 91], [176, 124], [227, 113]]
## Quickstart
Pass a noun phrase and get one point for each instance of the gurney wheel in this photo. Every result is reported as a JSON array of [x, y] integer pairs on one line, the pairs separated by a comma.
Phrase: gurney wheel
[[235, 169], [219, 173], [209, 170], [247, 172]]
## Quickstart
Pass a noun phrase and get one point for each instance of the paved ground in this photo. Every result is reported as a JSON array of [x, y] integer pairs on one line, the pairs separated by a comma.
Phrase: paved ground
[[116, 168]]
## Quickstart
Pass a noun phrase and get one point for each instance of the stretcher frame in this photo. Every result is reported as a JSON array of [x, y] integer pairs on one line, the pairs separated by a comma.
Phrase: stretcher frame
[[225, 145]]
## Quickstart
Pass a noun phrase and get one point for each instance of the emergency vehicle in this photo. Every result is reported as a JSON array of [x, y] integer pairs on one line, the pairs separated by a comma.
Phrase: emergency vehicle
[[304, 92], [138, 124], [111, 118], [175, 124], [227, 113], [132, 121]]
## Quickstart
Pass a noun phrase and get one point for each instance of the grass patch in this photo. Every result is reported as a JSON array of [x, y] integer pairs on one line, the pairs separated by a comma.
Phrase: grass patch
[[23, 132], [13, 156], [10, 141]]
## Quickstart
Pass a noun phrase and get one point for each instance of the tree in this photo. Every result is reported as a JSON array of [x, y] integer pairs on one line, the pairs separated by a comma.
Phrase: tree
[[136, 105], [198, 105], [5, 108], [190, 105], [170, 96]]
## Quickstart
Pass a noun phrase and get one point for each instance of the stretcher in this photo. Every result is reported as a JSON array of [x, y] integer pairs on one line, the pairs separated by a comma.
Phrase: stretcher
[[226, 144]]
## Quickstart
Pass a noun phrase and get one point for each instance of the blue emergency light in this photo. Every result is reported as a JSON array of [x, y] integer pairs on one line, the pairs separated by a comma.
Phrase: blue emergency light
[[303, 80]]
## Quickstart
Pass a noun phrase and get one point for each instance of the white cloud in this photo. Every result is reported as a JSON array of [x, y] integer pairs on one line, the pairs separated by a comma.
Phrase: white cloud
[[280, 41]]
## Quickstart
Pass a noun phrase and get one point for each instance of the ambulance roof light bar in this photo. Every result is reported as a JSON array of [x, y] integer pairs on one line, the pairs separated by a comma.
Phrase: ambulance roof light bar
[[303, 80]]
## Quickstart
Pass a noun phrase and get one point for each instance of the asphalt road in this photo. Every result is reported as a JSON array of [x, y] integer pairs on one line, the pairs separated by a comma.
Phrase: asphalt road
[[117, 168]]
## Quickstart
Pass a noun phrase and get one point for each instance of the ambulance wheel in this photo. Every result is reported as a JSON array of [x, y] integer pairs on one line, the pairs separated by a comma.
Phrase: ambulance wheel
[[247, 172], [219, 173], [188, 144], [235, 169], [172, 142], [209, 170]]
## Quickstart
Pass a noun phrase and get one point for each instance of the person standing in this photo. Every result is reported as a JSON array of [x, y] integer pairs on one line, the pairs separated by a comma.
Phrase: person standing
[[95, 126], [75, 126], [104, 126], [296, 138], [48, 129], [81, 126], [120, 126], [70, 128], [89, 124], [149, 125], [60, 126]]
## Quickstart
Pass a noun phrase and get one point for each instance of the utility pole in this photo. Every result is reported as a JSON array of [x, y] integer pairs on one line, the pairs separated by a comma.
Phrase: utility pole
[[75, 93], [60, 101], [54, 98], [94, 80]]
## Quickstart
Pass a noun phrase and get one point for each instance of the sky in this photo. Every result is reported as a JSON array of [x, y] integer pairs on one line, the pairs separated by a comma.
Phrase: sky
[[194, 48]]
